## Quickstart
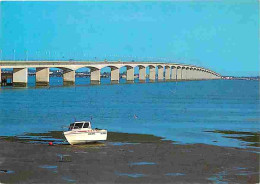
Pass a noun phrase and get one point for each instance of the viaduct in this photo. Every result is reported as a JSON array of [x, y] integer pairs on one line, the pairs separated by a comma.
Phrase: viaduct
[[161, 71]]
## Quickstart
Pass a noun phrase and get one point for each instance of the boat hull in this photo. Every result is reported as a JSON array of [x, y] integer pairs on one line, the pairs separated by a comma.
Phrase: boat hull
[[82, 137]]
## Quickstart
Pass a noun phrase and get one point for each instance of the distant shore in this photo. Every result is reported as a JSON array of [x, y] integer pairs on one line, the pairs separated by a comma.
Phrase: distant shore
[[125, 158]]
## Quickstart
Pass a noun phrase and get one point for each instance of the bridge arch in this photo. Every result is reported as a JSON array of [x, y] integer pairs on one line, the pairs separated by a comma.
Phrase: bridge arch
[[94, 73], [68, 75], [128, 71], [111, 71]]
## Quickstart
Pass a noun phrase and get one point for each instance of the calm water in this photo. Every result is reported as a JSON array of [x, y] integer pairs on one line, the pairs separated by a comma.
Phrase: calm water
[[183, 112]]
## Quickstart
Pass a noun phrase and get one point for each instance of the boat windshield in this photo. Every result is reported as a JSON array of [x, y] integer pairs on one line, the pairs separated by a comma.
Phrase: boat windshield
[[86, 125], [71, 126], [78, 125]]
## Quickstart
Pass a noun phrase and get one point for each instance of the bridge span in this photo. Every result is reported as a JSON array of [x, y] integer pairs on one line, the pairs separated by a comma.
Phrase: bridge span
[[160, 71]]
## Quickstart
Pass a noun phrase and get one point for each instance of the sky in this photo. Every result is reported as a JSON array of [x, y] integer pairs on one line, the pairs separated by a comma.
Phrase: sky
[[220, 35]]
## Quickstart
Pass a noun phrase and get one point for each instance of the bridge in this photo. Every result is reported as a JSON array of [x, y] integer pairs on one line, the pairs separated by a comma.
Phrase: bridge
[[160, 71]]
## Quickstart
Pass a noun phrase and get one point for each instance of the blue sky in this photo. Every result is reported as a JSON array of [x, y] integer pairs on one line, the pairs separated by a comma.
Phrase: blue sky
[[220, 35]]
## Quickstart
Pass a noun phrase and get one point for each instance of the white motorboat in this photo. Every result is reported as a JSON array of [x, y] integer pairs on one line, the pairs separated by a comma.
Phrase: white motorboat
[[81, 132]]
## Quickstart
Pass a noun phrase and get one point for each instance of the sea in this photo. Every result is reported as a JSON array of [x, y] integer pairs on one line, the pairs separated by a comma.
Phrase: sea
[[215, 112]]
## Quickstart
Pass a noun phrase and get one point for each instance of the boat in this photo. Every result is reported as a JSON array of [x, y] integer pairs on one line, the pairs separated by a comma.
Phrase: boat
[[81, 133]]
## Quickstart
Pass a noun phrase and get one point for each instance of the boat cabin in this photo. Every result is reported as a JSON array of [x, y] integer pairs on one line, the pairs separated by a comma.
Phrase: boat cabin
[[79, 125]]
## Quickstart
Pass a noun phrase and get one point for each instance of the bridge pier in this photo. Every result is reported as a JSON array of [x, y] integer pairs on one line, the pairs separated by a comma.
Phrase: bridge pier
[[142, 73], [195, 72], [188, 74], [160, 73], [174, 73], [3, 79], [95, 76], [167, 73], [200, 75], [191, 74], [205, 75], [152, 73], [211, 76], [184, 73], [20, 77], [179, 73], [114, 75], [130, 73], [42, 76], [68, 77]]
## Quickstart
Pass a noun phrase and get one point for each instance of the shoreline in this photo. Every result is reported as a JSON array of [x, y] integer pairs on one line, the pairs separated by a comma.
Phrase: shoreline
[[122, 159], [250, 139]]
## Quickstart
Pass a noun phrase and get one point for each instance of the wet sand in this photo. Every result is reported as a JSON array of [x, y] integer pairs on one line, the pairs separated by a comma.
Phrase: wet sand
[[140, 159]]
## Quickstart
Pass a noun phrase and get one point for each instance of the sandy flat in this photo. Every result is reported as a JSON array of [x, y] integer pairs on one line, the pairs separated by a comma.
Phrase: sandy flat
[[113, 162]]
